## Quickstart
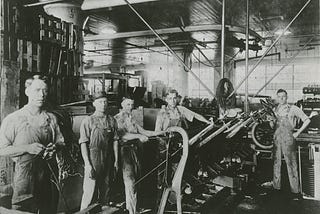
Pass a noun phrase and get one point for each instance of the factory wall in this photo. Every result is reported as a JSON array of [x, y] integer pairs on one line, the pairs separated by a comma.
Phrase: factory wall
[[303, 71], [169, 71]]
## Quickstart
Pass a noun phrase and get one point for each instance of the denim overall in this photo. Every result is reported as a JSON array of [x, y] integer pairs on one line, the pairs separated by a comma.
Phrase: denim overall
[[284, 143], [101, 157]]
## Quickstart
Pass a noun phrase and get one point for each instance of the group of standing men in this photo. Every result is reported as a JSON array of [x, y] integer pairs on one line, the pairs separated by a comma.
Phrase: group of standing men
[[102, 135], [31, 136]]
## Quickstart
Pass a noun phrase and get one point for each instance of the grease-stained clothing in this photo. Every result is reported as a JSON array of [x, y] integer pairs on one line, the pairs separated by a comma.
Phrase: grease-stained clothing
[[100, 133], [168, 117], [32, 188], [129, 151], [284, 144]]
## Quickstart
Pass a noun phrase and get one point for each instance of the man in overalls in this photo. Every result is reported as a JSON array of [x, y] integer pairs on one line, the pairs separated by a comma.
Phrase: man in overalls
[[31, 136], [99, 148], [131, 135], [284, 141], [172, 115]]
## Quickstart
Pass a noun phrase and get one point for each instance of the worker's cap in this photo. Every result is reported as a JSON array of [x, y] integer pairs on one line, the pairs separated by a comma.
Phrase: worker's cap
[[99, 94]]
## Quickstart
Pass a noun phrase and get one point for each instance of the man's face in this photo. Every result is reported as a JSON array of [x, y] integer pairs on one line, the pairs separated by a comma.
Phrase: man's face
[[101, 104], [127, 105], [282, 98], [172, 100], [37, 93]]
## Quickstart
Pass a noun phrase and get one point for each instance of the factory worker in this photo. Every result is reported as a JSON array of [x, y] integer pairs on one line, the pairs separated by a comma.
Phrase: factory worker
[[169, 116], [131, 137], [31, 137], [99, 148], [175, 115], [284, 141]]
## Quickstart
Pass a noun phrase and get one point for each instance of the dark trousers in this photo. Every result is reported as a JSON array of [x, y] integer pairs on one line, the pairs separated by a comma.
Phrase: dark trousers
[[131, 171]]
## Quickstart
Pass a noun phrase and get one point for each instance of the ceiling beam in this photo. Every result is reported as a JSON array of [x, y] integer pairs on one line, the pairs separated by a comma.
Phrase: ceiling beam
[[173, 30], [98, 4]]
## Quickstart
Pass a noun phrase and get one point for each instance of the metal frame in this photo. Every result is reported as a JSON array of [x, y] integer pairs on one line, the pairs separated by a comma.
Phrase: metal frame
[[271, 46]]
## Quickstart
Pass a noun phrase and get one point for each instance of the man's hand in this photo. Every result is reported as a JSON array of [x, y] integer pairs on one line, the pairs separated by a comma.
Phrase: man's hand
[[50, 151], [209, 122], [295, 135], [143, 138], [89, 168], [35, 148]]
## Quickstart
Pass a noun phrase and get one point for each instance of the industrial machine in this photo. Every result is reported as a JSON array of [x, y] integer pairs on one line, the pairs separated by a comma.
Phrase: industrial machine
[[204, 180]]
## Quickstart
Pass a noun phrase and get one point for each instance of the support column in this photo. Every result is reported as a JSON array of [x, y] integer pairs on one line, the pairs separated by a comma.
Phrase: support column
[[223, 27], [246, 98]]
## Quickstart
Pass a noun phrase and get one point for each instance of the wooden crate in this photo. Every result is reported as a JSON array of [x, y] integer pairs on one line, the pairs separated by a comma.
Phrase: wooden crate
[[29, 57], [52, 29]]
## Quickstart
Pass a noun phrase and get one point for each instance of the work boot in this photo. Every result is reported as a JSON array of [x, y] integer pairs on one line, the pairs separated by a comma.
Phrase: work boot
[[296, 196]]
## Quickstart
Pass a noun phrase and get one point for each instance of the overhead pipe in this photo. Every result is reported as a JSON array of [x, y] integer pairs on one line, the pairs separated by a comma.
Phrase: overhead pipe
[[223, 28], [246, 104], [256, 57], [271, 46], [171, 51], [278, 72]]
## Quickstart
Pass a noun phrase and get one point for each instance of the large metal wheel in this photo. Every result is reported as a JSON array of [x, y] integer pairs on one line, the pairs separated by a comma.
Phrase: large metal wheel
[[262, 135]]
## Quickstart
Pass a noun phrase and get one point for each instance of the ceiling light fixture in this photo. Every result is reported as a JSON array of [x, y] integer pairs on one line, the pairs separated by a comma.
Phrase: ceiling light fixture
[[96, 4]]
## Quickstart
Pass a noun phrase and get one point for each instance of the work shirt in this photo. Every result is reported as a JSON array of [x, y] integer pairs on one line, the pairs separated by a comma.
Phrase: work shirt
[[168, 117], [293, 113], [23, 128], [126, 123]]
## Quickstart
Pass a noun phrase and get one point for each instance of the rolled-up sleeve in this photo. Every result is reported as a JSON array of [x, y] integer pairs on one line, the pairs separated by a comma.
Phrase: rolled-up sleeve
[[188, 114], [7, 132], [84, 131], [299, 113], [115, 127], [121, 126], [159, 122]]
